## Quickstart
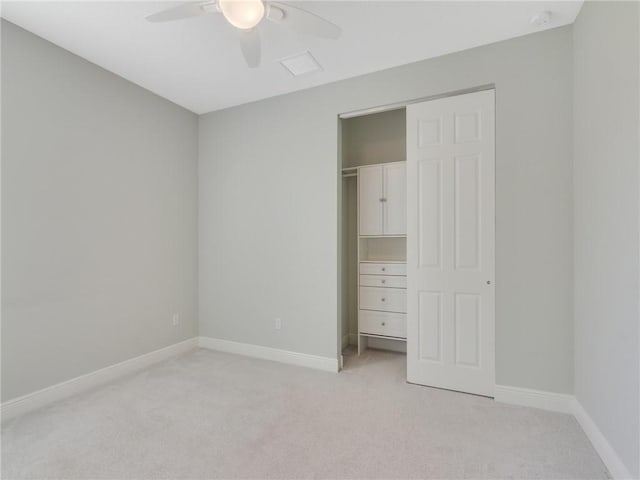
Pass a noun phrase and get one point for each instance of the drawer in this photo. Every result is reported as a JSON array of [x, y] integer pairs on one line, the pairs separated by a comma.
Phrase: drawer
[[383, 299], [383, 281], [382, 323], [383, 269]]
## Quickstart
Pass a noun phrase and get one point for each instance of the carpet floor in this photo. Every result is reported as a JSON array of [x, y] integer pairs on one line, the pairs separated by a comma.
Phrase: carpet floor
[[215, 415]]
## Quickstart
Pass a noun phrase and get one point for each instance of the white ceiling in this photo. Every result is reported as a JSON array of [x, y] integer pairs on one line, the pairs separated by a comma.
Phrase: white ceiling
[[197, 62]]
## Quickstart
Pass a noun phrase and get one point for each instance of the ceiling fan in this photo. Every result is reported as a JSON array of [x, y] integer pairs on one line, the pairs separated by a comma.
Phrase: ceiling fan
[[246, 15]]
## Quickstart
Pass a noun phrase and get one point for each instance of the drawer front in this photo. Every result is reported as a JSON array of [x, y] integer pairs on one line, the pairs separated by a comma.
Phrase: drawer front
[[383, 299], [382, 323], [383, 269], [383, 281]]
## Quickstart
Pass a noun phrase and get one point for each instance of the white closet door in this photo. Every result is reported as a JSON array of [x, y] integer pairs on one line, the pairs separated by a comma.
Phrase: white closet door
[[395, 195], [450, 243], [370, 200]]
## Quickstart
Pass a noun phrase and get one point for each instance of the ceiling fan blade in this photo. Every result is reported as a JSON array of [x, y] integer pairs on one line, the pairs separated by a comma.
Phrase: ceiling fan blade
[[250, 45], [303, 21], [186, 10]]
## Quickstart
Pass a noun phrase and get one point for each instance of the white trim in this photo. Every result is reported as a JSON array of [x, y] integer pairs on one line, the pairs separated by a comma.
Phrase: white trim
[[638, 266], [555, 402], [267, 353], [398, 105], [612, 461], [565, 403], [40, 398]]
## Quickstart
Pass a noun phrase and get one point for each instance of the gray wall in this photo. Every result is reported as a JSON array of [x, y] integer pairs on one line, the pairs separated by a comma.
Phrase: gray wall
[[377, 138], [268, 211], [606, 222], [99, 217]]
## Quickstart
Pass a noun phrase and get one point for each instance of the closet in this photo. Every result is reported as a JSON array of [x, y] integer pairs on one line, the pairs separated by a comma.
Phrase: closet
[[374, 229], [418, 237]]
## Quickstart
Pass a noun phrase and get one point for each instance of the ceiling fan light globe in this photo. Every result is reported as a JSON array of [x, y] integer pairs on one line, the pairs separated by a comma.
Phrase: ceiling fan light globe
[[243, 14]]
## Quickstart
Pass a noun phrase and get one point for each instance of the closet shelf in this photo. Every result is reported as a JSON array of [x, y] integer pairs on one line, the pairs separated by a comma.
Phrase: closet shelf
[[348, 172], [383, 236], [386, 337], [382, 261]]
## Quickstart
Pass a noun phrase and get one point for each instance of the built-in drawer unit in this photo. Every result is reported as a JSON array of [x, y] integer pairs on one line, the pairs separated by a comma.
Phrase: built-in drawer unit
[[383, 299], [383, 323], [383, 268], [388, 281]]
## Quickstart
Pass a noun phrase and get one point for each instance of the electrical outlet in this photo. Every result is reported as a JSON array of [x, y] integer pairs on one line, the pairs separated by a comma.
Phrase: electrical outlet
[[278, 324], [176, 319]]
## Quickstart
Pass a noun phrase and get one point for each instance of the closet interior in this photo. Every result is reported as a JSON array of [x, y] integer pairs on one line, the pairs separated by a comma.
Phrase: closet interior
[[374, 231]]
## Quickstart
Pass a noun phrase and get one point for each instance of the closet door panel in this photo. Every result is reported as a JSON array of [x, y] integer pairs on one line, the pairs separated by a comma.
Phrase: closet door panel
[[451, 243], [370, 200], [395, 195]]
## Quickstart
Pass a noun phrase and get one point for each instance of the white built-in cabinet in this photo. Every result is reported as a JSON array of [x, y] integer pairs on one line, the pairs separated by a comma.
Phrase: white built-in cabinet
[[382, 228], [382, 199]]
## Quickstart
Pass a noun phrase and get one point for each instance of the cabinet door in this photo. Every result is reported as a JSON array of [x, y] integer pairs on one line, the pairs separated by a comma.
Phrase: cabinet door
[[395, 195], [370, 200]]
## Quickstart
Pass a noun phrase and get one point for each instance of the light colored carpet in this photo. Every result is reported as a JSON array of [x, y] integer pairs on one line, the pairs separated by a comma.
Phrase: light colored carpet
[[215, 415]]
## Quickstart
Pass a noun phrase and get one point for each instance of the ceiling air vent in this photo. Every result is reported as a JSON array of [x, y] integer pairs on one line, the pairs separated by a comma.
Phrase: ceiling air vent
[[301, 64]]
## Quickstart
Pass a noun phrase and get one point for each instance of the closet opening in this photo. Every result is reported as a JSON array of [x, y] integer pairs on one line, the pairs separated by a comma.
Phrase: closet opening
[[417, 257], [373, 236]]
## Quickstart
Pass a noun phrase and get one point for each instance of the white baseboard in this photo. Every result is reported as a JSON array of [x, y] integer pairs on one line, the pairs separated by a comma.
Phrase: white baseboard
[[267, 353], [555, 402], [612, 461], [564, 403], [40, 398]]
